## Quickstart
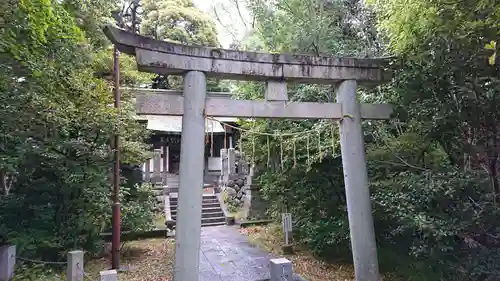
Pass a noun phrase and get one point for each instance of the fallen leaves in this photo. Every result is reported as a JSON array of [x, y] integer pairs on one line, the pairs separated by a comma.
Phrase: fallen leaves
[[269, 238], [145, 260]]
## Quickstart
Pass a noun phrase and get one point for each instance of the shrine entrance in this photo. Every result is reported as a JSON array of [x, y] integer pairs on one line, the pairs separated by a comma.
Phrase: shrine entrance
[[198, 63]]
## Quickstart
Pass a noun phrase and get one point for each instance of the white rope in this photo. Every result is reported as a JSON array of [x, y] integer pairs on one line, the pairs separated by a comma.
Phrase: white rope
[[294, 154], [319, 146], [268, 152], [262, 133], [308, 159]]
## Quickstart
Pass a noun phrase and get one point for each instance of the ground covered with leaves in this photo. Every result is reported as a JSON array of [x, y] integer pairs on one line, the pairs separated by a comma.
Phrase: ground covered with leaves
[[312, 268], [144, 260]]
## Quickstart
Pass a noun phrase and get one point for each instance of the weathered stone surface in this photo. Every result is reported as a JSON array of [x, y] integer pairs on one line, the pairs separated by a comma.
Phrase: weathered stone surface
[[239, 195], [231, 192], [173, 104], [7, 262], [258, 206], [276, 90], [169, 58], [240, 182]]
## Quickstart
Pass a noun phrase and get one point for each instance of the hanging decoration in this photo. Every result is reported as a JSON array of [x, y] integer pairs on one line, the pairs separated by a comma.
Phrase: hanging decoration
[[281, 137], [319, 147], [253, 149], [333, 139], [268, 151], [308, 161], [281, 154]]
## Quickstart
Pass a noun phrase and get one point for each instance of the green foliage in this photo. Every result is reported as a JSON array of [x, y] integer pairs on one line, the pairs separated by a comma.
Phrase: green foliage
[[178, 21], [233, 204], [318, 27], [55, 127], [102, 64], [37, 272], [434, 205], [137, 208]]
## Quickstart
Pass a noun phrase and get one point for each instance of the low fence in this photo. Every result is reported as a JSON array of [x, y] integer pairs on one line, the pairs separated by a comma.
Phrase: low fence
[[280, 269], [74, 266]]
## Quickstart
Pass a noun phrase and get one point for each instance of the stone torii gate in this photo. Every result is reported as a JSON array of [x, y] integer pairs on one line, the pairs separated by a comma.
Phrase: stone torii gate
[[194, 104]]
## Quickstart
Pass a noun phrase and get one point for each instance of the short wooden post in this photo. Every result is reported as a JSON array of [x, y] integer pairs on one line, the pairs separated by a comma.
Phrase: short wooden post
[[75, 266], [7, 262], [109, 275], [281, 270]]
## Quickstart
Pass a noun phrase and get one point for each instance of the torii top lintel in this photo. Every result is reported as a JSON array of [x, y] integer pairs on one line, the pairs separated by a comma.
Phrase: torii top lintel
[[169, 58]]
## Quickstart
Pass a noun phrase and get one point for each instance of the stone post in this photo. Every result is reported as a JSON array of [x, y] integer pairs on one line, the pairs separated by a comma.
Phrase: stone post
[[224, 166], [188, 223], [165, 161], [231, 161], [74, 270], [7, 262], [281, 270], [147, 170], [364, 248], [109, 275], [156, 167]]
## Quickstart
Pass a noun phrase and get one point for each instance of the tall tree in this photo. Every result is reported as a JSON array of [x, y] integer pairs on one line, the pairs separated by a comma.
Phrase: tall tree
[[55, 128], [178, 21], [181, 22], [449, 81]]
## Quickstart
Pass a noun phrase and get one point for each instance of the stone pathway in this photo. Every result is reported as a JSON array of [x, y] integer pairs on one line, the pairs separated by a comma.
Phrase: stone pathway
[[226, 255]]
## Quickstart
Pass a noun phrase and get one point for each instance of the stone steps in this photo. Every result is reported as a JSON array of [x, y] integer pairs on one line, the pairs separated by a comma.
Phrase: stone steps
[[211, 212]]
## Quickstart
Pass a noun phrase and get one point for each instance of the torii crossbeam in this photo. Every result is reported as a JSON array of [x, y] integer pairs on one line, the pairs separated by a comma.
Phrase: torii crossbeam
[[194, 104]]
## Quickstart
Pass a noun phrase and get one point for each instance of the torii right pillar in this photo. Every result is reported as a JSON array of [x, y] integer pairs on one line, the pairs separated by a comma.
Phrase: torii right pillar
[[359, 210]]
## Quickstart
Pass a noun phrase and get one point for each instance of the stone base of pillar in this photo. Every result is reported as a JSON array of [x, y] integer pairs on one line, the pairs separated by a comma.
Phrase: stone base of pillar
[[230, 221], [287, 249], [258, 206]]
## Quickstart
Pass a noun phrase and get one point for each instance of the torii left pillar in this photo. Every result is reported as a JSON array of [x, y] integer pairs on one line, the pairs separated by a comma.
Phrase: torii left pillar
[[188, 222]]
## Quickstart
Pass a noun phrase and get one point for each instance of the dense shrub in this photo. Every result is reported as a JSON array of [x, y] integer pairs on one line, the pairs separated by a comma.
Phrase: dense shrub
[[56, 124], [432, 224]]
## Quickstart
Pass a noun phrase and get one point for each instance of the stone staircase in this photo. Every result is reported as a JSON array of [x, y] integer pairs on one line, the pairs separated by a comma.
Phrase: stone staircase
[[211, 212]]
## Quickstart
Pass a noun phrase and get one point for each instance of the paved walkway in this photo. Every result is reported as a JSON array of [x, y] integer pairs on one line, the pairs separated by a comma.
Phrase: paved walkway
[[226, 255]]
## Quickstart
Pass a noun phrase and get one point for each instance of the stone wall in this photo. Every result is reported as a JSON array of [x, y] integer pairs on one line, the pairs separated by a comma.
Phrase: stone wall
[[237, 181]]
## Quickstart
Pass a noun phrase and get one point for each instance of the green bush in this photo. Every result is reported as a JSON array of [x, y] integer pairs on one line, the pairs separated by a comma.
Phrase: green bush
[[233, 204], [56, 124], [437, 223]]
